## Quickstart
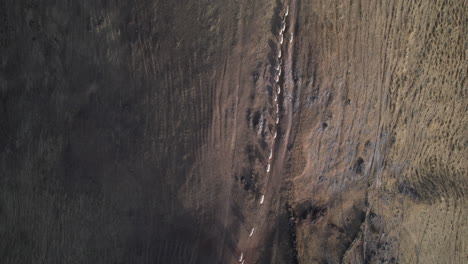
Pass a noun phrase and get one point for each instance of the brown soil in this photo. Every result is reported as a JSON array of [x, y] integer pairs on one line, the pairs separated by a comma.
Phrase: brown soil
[[140, 131]]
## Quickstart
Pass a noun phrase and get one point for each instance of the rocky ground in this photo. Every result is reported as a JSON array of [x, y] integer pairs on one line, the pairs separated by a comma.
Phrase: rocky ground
[[155, 131]]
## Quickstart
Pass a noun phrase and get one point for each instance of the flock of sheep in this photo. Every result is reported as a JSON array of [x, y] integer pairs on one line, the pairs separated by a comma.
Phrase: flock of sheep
[[276, 78]]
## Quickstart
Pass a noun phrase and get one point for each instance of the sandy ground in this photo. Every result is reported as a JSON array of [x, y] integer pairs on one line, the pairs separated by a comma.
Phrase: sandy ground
[[140, 131]]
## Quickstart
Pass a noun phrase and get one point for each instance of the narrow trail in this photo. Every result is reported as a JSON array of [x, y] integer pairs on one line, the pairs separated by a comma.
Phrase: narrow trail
[[251, 244]]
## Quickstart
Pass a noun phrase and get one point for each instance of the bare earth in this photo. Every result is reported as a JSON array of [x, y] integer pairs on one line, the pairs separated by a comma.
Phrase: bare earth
[[140, 131]]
